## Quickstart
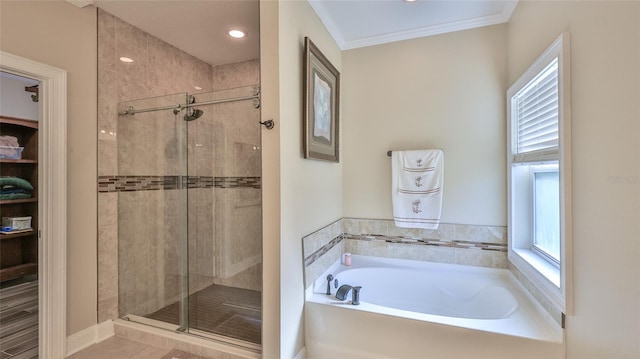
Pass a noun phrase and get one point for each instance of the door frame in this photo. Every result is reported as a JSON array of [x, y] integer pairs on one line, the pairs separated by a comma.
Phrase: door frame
[[52, 200]]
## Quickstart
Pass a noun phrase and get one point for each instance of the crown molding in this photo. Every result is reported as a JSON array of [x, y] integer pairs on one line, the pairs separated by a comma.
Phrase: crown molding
[[327, 20], [467, 24]]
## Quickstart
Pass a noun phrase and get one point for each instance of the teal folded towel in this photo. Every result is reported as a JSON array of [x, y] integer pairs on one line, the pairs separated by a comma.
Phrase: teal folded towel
[[10, 196], [16, 182], [13, 190]]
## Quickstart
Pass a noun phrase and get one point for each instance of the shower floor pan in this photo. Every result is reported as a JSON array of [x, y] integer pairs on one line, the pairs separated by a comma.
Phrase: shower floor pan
[[227, 311]]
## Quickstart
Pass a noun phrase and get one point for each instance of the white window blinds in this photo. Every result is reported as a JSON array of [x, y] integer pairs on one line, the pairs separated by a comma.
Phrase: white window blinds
[[535, 107]]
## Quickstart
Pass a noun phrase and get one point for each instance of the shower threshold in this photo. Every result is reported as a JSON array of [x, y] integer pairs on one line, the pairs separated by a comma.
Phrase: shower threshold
[[132, 318], [218, 311]]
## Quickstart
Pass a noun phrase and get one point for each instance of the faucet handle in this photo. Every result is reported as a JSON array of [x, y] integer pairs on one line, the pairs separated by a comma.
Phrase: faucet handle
[[355, 299], [329, 279]]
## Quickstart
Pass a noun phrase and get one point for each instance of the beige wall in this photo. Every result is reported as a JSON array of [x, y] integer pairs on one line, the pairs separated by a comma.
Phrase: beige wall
[[445, 91], [62, 35], [270, 109], [605, 72], [311, 191]]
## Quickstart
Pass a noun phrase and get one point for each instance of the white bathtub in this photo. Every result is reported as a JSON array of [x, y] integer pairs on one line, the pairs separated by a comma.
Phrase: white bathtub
[[414, 309]]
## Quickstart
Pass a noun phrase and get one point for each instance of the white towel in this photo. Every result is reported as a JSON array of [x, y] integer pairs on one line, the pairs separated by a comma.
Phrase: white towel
[[9, 141], [416, 188]]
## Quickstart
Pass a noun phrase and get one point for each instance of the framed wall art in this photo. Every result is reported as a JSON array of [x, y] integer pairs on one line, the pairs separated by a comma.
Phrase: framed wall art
[[321, 106]]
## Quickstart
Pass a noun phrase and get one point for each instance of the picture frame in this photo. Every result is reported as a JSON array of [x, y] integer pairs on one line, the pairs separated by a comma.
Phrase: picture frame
[[321, 105]]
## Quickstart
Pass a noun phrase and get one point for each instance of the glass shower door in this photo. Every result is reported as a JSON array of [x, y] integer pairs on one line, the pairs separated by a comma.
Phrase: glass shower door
[[189, 214], [225, 218], [152, 211]]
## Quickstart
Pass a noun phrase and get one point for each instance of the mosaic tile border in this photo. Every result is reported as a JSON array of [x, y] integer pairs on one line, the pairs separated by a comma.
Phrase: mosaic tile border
[[310, 259], [154, 183], [485, 246]]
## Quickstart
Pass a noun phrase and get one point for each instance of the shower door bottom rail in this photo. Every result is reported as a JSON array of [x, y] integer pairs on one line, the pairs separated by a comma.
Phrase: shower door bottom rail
[[241, 344], [227, 340]]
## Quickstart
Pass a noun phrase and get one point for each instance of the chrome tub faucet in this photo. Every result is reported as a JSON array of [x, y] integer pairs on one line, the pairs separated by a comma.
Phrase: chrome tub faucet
[[344, 290]]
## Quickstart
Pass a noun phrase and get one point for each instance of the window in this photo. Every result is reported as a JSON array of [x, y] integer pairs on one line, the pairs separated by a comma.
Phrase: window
[[539, 173], [546, 213]]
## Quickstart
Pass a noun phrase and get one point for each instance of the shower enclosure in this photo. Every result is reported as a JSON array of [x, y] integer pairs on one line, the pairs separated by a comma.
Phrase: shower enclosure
[[189, 214]]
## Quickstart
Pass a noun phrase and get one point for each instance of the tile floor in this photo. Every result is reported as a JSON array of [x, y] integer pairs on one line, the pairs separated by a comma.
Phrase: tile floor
[[19, 321], [121, 348], [228, 311]]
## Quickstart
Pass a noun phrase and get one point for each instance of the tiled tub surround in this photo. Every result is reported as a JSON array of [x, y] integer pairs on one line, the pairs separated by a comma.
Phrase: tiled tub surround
[[484, 246], [336, 330], [142, 148], [321, 249], [548, 306]]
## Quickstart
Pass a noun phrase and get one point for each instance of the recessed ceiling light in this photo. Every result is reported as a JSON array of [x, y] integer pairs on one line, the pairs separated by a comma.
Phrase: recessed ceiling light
[[238, 34], [126, 59], [409, 0], [198, 88]]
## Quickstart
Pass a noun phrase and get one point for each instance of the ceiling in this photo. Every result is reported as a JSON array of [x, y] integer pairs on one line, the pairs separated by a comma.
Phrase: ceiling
[[360, 23], [200, 27]]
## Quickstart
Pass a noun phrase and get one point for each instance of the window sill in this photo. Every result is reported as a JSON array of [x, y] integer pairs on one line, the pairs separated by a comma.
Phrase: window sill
[[546, 269]]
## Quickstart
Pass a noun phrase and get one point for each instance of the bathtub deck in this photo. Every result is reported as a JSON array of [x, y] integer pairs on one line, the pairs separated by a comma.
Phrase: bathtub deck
[[339, 328]]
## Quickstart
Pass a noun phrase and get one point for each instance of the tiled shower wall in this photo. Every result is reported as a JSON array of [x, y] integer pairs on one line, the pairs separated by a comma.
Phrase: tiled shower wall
[[140, 212], [484, 246]]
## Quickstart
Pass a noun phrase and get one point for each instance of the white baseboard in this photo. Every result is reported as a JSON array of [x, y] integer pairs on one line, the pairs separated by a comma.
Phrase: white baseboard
[[104, 330], [89, 336], [302, 354]]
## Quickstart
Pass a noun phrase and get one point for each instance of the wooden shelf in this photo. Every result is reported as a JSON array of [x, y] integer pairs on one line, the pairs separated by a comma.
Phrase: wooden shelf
[[19, 251], [19, 121], [17, 235], [17, 201], [18, 271], [23, 161]]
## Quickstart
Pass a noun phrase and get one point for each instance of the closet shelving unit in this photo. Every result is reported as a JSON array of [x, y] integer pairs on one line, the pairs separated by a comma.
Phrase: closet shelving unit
[[19, 251]]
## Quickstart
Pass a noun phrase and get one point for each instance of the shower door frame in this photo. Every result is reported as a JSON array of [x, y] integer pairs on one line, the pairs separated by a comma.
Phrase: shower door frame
[[181, 170], [184, 305]]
